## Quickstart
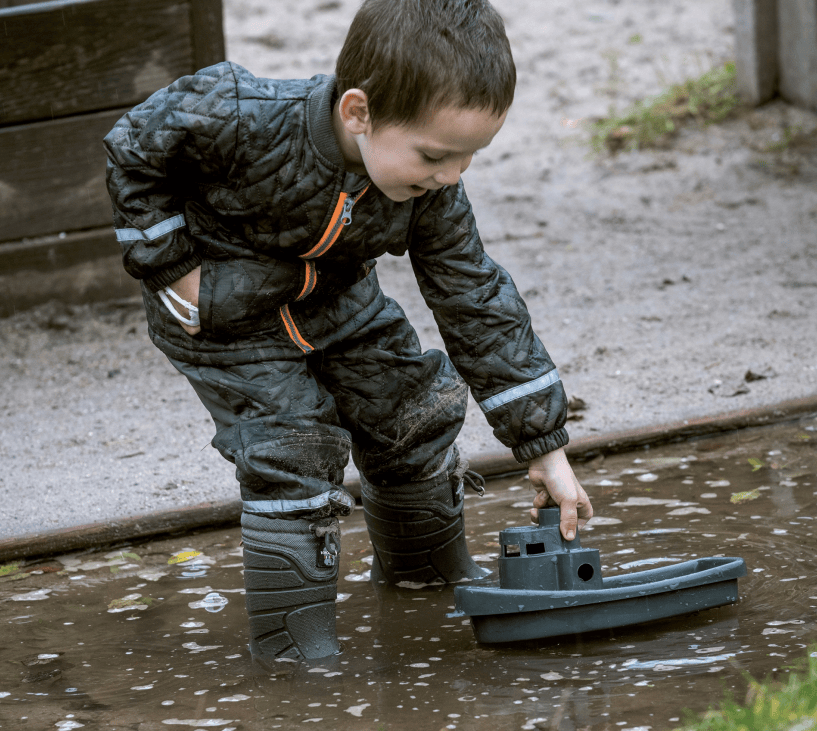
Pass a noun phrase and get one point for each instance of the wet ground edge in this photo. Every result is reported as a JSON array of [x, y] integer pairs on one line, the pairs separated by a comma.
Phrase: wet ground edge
[[218, 514]]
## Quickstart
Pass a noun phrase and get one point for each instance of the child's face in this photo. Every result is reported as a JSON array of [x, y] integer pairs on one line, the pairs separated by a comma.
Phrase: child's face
[[407, 161]]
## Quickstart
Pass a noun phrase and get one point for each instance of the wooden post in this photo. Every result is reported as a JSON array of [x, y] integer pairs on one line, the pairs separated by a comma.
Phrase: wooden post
[[797, 21], [756, 48]]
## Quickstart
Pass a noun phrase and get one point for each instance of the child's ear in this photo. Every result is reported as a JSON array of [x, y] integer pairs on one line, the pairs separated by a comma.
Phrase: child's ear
[[354, 111]]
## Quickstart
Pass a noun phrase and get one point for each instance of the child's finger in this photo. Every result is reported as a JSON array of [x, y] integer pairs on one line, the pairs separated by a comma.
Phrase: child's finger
[[568, 520]]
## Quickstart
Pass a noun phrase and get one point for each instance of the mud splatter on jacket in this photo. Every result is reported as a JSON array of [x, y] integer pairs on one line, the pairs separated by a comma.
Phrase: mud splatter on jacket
[[243, 176]]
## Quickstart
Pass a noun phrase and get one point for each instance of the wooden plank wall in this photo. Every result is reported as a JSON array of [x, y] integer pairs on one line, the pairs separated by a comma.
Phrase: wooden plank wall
[[68, 70]]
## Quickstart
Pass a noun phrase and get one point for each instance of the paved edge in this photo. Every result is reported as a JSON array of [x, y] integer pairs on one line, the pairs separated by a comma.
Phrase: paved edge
[[228, 513]]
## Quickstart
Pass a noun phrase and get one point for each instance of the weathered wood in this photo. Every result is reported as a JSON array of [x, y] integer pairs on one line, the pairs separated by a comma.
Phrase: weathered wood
[[97, 280], [208, 33], [756, 49], [797, 20], [59, 58], [53, 176], [52, 253]]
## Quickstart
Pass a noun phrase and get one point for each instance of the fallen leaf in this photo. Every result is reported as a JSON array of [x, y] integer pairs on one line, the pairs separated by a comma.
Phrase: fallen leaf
[[742, 497], [184, 556], [756, 464]]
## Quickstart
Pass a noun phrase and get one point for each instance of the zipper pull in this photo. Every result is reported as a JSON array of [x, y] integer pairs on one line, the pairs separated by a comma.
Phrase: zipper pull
[[346, 214]]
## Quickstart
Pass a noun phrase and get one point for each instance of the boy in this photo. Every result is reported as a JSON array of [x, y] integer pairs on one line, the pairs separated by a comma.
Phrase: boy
[[252, 210]]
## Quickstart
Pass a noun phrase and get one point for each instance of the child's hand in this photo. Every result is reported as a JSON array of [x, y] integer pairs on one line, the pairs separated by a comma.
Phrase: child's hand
[[188, 288], [553, 477]]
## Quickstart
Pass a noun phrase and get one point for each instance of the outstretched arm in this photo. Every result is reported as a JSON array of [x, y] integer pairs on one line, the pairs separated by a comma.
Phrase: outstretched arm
[[552, 476]]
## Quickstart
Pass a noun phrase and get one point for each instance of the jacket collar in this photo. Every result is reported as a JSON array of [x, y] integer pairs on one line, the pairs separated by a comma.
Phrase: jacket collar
[[319, 120]]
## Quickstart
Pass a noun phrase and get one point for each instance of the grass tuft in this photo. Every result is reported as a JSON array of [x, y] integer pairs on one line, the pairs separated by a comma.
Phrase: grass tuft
[[709, 98], [770, 706]]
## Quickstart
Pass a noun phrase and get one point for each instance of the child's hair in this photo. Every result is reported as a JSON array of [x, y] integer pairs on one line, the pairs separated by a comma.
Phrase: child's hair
[[411, 57]]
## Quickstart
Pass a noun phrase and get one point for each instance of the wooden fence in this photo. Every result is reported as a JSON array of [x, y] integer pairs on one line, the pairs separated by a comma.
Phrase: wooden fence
[[68, 70]]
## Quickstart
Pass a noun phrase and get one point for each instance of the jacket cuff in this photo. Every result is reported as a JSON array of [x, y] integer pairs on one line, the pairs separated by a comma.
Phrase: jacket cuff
[[166, 277], [541, 445]]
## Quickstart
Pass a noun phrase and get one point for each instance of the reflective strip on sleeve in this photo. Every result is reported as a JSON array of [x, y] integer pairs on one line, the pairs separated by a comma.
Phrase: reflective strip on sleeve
[[526, 389], [154, 232]]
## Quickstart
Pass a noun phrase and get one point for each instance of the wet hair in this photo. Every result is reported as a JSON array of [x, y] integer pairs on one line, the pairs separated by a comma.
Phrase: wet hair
[[412, 57]]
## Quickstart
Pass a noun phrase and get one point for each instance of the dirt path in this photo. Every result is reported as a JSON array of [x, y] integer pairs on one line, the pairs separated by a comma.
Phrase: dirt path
[[656, 279]]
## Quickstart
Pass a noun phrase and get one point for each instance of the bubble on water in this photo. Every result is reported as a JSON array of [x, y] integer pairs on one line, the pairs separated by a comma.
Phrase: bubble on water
[[213, 602], [4, 694], [648, 562], [709, 495], [195, 647], [150, 574], [551, 676], [367, 560], [484, 557], [610, 483], [192, 624], [142, 687], [357, 711], [363, 628], [638, 502], [419, 665], [599, 520], [32, 596], [199, 722], [66, 725], [647, 477], [365, 576], [332, 674], [341, 597], [778, 622], [168, 703], [689, 511]]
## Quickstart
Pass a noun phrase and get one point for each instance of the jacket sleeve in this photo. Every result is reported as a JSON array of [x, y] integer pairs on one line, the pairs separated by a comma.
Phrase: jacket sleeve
[[486, 328], [158, 153]]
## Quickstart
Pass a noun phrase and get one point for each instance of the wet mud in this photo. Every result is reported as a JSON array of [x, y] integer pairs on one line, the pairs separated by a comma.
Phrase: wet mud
[[153, 636]]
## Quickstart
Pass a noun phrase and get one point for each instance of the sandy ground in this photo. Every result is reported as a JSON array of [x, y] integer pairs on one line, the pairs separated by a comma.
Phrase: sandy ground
[[656, 279]]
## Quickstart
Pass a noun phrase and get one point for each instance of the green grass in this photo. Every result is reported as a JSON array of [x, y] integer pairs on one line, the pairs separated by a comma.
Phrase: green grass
[[710, 98], [769, 706]]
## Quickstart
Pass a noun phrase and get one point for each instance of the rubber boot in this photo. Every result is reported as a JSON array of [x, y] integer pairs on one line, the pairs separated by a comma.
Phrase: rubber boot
[[417, 530], [290, 575]]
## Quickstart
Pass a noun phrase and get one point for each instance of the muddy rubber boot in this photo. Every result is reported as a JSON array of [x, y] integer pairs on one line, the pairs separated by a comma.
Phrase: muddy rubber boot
[[417, 530], [290, 574]]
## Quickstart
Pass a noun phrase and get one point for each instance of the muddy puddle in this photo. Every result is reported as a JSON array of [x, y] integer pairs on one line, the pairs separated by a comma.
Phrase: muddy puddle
[[152, 636]]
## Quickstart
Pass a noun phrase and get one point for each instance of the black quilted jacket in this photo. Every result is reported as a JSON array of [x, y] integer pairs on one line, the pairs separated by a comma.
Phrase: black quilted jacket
[[244, 176]]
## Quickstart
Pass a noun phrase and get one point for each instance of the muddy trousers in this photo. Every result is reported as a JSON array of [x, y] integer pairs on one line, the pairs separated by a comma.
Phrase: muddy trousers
[[289, 424]]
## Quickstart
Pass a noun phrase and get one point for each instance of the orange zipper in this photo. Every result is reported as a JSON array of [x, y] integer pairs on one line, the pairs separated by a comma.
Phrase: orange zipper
[[341, 216]]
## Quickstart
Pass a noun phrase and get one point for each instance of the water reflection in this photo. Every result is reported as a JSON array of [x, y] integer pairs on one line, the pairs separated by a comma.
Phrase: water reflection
[[153, 635]]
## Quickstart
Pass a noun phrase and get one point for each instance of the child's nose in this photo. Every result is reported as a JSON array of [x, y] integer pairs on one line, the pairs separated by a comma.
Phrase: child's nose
[[450, 173]]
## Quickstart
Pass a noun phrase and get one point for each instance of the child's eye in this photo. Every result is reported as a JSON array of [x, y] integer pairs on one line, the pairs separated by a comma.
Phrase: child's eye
[[432, 160]]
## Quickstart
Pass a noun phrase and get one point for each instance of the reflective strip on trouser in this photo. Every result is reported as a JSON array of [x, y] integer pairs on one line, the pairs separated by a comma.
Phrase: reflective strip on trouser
[[288, 424]]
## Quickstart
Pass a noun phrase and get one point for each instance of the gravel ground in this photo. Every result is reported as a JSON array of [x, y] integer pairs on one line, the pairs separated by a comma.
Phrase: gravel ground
[[659, 280]]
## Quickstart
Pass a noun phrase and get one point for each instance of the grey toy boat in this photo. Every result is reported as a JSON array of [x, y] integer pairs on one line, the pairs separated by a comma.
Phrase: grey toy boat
[[550, 587]]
